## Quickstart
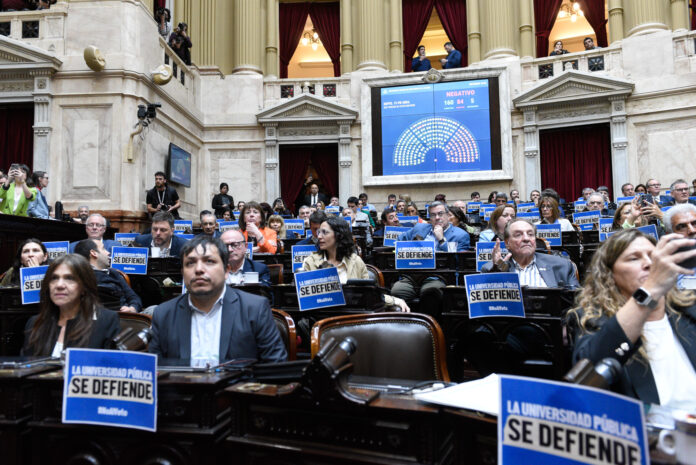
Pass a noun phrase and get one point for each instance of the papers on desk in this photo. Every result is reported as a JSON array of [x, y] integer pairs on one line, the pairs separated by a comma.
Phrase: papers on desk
[[482, 395]]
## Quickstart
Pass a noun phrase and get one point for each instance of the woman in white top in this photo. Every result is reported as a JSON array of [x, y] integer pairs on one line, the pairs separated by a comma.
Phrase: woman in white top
[[631, 310], [69, 311], [550, 214]]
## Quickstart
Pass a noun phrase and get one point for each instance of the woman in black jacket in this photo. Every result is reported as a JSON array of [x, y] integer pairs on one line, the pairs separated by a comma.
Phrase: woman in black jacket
[[223, 202]]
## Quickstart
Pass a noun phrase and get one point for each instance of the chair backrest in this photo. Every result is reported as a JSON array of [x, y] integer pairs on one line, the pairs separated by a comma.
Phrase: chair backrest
[[389, 345], [375, 274], [542, 245], [137, 321], [276, 272], [286, 327], [125, 277]]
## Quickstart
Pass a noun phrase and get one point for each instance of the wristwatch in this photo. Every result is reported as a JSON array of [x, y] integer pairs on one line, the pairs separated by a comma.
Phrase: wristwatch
[[643, 297]]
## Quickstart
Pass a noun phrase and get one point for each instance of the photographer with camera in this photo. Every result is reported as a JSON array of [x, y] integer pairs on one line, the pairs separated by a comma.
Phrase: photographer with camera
[[162, 198], [18, 191], [181, 43]]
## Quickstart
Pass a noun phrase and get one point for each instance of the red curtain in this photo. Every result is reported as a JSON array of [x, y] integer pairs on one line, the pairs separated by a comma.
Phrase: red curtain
[[453, 18], [160, 4], [692, 14], [16, 135], [325, 161], [326, 18], [292, 18], [594, 13], [293, 165], [414, 16], [545, 12], [574, 158]]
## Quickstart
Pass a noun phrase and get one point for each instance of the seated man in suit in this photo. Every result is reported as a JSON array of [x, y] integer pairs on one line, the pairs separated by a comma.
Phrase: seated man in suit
[[389, 218], [209, 224], [237, 264], [315, 220], [535, 269], [162, 241], [108, 278], [95, 226], [440, 231], [213, 323]]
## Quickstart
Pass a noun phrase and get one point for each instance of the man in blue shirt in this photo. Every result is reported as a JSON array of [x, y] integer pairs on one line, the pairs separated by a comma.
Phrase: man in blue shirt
[[420, 63], [454, 57]]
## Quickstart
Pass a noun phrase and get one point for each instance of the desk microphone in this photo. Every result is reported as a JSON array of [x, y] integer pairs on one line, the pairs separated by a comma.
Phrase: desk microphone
[[128, 339], [602, 375]]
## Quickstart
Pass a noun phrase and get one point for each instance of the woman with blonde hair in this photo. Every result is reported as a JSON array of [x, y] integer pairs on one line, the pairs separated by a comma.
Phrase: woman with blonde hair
[[630, 309], [501, 216]]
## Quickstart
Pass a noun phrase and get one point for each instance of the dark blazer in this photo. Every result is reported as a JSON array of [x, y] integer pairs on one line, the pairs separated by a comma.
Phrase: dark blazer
[[144, 240], [609, 340], [673, 202], [320, 198], [220, 206], [247, 329], [452, 234], [112, 280], [260, 268], [108, 245], [104, 329], [556, 271]]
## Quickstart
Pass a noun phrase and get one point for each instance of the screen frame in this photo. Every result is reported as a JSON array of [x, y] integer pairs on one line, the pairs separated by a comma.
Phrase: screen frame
[[169, 165], [500, 121]]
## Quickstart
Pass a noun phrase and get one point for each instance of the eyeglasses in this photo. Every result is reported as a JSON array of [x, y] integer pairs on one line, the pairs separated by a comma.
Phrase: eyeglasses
[[654, 185], [236, 245], [96, 225], [681, 189], [439, 214]]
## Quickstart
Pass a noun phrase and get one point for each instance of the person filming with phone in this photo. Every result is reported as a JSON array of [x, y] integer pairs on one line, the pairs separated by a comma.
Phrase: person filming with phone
[[18, 191]]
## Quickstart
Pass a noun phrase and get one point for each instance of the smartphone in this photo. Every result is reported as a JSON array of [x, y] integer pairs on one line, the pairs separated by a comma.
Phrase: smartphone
[[14, 166], [689, 263]]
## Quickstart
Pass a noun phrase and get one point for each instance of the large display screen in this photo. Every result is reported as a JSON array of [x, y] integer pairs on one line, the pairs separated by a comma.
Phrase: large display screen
[[179, 165], [436, 128]]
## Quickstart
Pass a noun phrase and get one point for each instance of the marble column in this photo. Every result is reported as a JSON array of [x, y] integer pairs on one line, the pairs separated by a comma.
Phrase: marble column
[[616, 20], [679, 11], [619, 143], [498, 29], [527, 42], [644, 16], [247, 37], [345, 163], [473, 30], [371, 35], [532, 166], [272, 38], [271, 162], [346, 37], [42, 121], [204, 34], [396, 54]]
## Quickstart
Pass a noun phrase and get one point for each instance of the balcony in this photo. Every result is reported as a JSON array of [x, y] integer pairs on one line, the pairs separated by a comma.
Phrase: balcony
[[276, 91], [41, 28], [606, 61]]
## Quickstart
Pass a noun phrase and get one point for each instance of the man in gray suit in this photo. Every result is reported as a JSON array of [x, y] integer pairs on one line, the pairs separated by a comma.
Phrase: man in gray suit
[[535, 269], [213, 323]]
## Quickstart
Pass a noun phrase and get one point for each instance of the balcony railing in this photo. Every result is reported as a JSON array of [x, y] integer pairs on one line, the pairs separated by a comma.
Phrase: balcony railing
[[43, 28], [333, 89], [604, 60]]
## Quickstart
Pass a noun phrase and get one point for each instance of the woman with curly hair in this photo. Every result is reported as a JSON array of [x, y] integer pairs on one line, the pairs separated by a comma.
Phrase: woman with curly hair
[[630, 309], [335, 247]]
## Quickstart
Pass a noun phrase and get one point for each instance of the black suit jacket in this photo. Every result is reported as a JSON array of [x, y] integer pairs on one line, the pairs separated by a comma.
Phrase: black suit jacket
[[112, 281], [320, 198], [607, 339], [104, 329], [144, 240], [247, 329], [556, 271]]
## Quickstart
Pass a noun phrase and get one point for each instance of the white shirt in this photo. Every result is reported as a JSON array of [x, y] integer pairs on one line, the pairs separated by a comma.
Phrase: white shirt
[[18, 193], [163, 251], [529, 275], [205, 333], [236, 277], [674, 374]]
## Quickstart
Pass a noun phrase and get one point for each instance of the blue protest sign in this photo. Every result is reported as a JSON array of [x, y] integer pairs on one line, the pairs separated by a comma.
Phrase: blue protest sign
[[350, 222], [494, 294], [487, 211], [665, 199], [525, 207], [529, 216], [484, 253], [549, 422], [579, 205], [582, 219], [249, 254], [664, 209], [184, 235], [299, 252], [295, 226], [110, 388], [605, 227], [473, 207], [692, 199], [415, 255], [130, 260], [56, 249], [550, 232], [183, 225], [319, 289], [408, 221], [308, 233], [427, 210], [332, 210], [650, 230], [236, 214], [392, 233], [227, 225], [622, 200], [30, 278], [125, 239]]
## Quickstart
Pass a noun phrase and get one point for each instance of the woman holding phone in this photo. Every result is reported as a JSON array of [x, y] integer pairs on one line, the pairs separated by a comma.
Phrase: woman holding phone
[[18, 191]]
